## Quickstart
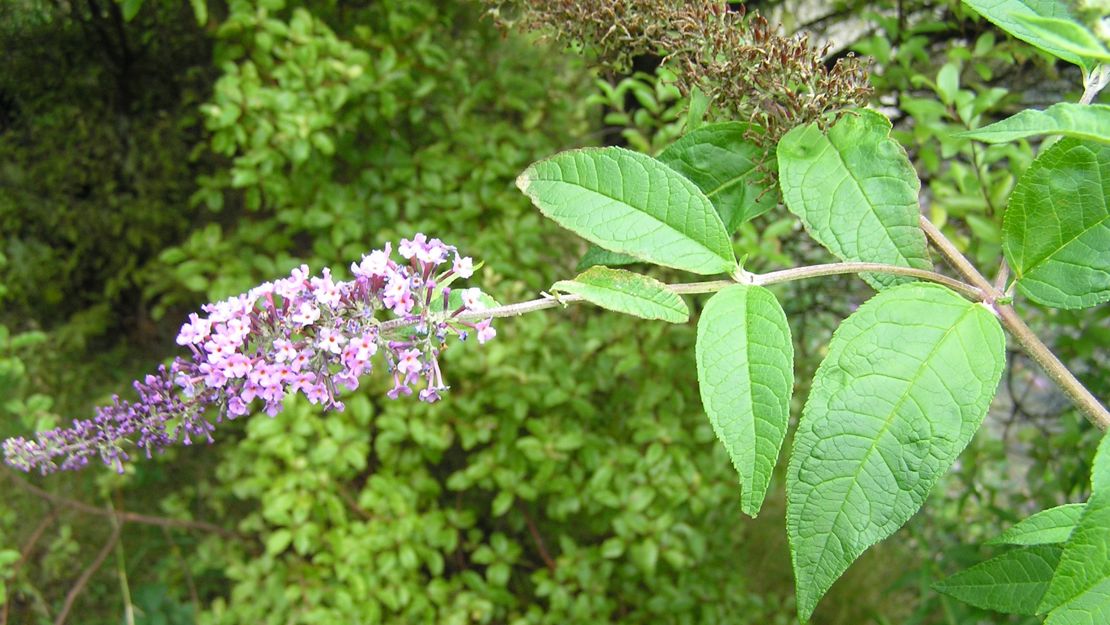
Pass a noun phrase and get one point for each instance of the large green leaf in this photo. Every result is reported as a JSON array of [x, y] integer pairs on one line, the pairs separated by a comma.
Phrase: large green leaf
[[746, 375], [1066, 34], [855, 191], [1013, 582], [1006, 14], [631, 203], [721, 160], [1043, 528], [628, 293], [1068, 119], [1056, 232], [906, 383], [1080, 589]]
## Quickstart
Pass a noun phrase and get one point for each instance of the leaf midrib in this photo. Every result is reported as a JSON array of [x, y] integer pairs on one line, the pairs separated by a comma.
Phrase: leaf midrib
[[889, 421], [711, 213]]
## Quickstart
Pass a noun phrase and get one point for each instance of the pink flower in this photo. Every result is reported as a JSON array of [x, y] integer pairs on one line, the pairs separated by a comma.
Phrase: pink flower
[[373, 265], [307, 314], [408, 249], [284, 351], [472, 299], [486, 332], [408, 362], [194, 331], [330, 340], [237, 365], [325, 291], [463, 266]]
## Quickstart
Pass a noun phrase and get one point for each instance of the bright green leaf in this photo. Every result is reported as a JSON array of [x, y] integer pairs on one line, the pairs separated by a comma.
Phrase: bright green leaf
[[628, 293], [631, 203], [595, 256], [1007, 14], [906, 383], [278, 541], [200, 11], [1012, 583], [948, 82], [1071, 120], [1057, 226], [723, 162], [1066, 34], [1043, 528], [1080, 589], [746, 375], [856, 192], [1100, 472], [130, 8], [699, 105]]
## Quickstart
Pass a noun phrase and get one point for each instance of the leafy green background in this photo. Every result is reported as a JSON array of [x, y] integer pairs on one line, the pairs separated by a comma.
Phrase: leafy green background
[[152, 164]]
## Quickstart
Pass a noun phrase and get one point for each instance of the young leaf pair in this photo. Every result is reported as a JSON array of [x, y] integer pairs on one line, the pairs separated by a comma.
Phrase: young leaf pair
[[679, 211]]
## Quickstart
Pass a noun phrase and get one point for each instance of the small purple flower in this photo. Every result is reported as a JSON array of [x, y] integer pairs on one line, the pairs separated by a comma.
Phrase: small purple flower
[[486, 332], [302, 334]]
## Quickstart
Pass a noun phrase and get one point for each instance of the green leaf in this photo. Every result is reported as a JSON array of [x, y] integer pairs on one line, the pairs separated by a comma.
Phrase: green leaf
[[1100, 472], [948, 82], [1008, 14], [1012, 583], [856, 192], [200, 11], [631, 203], [628, 293], [746, 375], [595, 256], [1066, 34], [130, 8], [1071, 120], [699, 106], [906, 383], [1057, 225], [1080, 589], [1043, 528], [723, 163], [278, 541]]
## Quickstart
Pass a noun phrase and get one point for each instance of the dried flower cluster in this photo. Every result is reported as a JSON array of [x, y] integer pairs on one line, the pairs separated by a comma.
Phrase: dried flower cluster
[[750, 71], [303, 334]]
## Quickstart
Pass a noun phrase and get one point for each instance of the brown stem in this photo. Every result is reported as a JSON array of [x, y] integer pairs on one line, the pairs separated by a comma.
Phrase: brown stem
[[25, 553], [123, 517], [82, 581], [541, 547], [1030, 343]]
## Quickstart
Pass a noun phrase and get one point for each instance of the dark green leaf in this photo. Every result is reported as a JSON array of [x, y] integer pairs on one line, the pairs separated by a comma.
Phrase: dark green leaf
[[723, 162], [1012, 583], [1057, 226]]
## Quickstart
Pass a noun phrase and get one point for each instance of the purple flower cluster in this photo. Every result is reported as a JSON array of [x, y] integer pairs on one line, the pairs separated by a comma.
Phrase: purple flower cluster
[[303, 334]]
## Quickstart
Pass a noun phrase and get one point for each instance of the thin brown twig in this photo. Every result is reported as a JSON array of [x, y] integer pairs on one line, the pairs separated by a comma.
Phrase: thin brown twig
[[25, 553], [123, 517], [541, 547], [89, 571]]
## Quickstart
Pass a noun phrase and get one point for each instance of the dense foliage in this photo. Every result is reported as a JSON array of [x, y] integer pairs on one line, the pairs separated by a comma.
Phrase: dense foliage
[[185, 154]]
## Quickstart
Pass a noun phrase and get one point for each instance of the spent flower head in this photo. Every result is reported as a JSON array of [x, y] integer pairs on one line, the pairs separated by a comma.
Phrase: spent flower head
[[303, 334]]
